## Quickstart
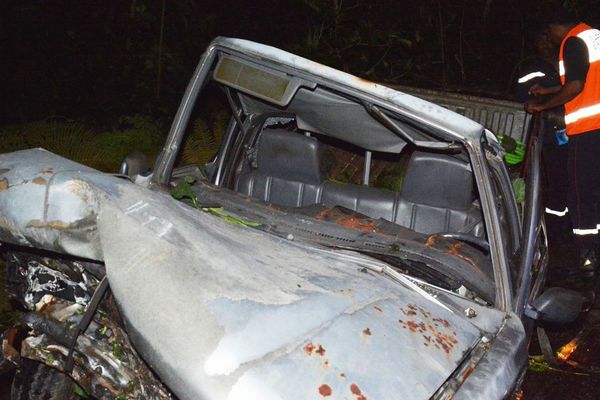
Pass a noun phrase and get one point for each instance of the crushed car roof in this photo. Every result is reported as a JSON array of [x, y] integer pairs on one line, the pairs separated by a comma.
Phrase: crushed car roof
[[432, 115]]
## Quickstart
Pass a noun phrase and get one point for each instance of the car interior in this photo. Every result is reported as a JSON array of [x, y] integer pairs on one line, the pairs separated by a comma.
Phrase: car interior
[[289, 164], [289, 169], [318, 152]]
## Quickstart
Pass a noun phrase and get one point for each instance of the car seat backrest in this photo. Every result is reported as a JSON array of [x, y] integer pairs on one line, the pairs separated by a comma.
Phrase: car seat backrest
[[288, 169], [437, 194]]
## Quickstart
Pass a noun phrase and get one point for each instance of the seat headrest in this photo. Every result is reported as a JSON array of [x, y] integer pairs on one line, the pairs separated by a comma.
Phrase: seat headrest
[[290, 156], [438, 180]]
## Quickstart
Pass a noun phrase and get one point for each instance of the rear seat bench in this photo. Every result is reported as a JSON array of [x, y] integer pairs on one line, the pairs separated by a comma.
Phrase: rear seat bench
[[437, 193]]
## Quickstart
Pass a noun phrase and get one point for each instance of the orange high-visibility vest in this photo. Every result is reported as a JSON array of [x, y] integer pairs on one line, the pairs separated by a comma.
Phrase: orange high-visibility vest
[[582, 114]]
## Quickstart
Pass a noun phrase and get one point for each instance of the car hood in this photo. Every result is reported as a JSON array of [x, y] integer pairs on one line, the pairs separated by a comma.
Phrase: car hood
[[223, 311]]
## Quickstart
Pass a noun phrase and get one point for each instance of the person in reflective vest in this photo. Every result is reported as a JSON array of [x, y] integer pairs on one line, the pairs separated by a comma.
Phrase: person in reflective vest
[[579, 67], [542, 69]]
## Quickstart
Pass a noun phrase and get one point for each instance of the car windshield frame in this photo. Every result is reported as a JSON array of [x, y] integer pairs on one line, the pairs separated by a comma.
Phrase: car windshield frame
[[471, 141]]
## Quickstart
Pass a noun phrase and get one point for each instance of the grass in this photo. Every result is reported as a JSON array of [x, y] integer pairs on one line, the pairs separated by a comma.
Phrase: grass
[[7, 314]]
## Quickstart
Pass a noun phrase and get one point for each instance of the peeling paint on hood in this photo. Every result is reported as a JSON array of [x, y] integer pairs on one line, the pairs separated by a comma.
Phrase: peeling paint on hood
[[48, 204]]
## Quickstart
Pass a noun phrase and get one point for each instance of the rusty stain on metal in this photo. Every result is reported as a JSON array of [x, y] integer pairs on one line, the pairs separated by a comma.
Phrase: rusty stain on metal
[[326, 363], [3, 184], [348, 221], [311, 348], [431, 240], [320, 351], [357, 392], [364, 81], [342, 375], [308, 349], [442, 321], [366, 332], [432, 331], [412, 310], [378, 309], [44, 303], [58, 225], [468, 372], [47, 171], [325, 390], [39, 180], [454, 251]]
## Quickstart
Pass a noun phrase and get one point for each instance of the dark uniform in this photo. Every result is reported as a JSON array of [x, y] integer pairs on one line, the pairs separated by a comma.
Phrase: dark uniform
[[554, 149], [579, 49]]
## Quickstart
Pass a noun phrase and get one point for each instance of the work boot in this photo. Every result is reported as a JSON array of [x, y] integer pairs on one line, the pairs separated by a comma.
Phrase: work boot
[[588, 263]]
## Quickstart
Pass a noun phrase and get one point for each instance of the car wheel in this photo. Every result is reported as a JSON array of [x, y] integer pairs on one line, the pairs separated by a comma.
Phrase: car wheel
[[36, 381]]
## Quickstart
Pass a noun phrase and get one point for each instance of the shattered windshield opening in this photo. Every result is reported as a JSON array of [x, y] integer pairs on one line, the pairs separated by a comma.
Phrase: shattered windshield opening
[[321, 169]]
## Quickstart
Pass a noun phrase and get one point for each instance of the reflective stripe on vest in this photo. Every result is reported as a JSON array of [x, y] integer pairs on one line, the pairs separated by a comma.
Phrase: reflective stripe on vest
[[558, 213], [585, 232], [582, 114], [528, 77]]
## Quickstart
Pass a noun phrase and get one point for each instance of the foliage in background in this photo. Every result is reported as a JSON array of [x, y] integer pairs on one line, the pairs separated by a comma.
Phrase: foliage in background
[[392, 178], [135, 133], [106, 150], [78, 60], [73, 140], [7, 315], [202, 143]]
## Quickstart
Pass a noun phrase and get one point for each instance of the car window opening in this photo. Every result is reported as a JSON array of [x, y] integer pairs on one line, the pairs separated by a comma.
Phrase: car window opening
[[339, 160]]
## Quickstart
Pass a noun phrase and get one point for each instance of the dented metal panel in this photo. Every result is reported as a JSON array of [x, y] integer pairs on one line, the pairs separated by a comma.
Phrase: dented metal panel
[[497, 374], [216, 308], [45, 203], [252, 315]]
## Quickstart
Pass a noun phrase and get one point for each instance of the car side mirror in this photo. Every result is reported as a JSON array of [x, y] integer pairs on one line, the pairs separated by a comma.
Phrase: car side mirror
[[135, 163], [557, 305]]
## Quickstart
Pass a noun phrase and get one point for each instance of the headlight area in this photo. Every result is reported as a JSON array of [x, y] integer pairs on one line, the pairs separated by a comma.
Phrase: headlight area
[[493, 368], [460, 375]]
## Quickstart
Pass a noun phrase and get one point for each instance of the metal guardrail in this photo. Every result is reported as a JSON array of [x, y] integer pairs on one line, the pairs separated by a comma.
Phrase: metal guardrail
[[500, 116]]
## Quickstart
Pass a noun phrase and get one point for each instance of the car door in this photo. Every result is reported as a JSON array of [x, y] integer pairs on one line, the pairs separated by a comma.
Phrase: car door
[[533, 260]]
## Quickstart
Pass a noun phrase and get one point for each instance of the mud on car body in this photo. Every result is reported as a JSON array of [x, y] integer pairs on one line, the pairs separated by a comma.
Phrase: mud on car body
[[273, 277]]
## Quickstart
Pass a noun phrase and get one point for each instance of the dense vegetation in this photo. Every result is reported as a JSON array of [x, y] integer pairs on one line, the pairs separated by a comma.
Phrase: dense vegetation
[[78, 68]]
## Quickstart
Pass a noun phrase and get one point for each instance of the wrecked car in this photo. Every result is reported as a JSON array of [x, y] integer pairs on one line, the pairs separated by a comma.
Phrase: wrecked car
[[284, 268]]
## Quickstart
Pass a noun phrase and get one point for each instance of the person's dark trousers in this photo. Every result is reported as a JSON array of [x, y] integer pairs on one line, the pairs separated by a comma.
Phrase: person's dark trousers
[[584, 181], [556, 189]]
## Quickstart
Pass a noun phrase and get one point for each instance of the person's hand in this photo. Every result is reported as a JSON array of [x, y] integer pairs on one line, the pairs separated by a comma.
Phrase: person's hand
[[537, 90], [557, 119], [532, 107]]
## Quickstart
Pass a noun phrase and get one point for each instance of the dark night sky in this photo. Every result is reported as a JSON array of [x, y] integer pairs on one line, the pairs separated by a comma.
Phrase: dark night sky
[[98, 60]]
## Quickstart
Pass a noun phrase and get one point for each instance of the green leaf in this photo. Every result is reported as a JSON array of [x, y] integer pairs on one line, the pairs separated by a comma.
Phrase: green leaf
[[234, 220], [518, 185], [78, 390], [183, 190], [117, 350], [538, 364]]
